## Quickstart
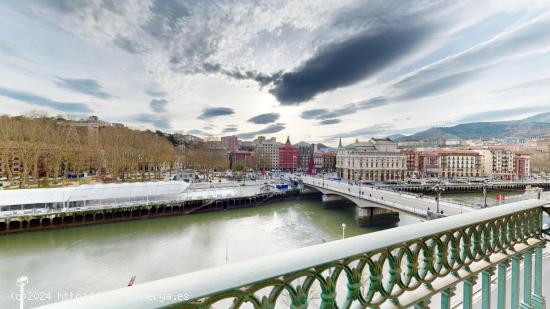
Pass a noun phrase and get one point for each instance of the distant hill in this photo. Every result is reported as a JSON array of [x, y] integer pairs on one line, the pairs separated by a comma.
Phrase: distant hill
[[532, 126], [544, 117]]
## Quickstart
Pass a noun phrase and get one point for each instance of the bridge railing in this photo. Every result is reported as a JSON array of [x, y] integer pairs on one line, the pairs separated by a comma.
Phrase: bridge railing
[[395, 268]]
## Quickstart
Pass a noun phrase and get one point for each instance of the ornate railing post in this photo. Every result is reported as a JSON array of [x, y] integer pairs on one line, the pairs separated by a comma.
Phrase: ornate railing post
[[468, 292], [527, 269], [514, 302], [537, 297], [501, 277], [446, 295], [486, 287]]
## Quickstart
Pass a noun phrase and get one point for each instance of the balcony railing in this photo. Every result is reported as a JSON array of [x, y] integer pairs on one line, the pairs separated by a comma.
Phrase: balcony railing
[[395, 268]]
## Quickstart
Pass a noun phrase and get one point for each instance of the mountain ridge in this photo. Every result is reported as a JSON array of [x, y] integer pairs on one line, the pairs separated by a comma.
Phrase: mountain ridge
[[538, 124]]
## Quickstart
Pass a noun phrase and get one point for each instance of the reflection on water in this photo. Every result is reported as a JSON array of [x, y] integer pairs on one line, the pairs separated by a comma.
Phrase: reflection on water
[[96, 258]]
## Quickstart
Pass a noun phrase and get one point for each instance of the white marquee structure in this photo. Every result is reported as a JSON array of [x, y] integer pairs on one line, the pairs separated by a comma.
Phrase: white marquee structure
[[91, 195]]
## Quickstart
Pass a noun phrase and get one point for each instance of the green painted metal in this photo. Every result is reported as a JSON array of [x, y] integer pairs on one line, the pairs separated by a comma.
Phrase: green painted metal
[[501, 277], [467, 301], [446, 295], [405, 273], [514, 302], [425, 260], [527, 279], [486, 287], [537, 297]]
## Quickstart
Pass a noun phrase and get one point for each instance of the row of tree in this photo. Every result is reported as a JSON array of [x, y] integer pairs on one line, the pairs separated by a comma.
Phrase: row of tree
[[39, 150]]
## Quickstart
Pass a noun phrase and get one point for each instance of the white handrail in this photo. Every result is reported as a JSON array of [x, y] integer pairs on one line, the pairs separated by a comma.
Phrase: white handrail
[[214, 280]]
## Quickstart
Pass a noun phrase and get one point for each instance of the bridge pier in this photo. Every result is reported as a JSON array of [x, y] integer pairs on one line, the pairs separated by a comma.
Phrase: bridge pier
[[374, 216], [331, 201]]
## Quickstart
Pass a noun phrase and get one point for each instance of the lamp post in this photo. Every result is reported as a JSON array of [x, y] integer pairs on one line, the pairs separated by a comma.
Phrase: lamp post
[[21, 282], [485, 194], [343, 230], [438, 190]]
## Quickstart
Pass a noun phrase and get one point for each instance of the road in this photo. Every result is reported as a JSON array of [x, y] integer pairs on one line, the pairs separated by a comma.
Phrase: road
[[398, 200]]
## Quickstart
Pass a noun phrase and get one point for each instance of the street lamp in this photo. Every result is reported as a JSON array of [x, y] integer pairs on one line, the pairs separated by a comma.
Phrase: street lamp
[[485, 185], [21, 282], [343, 230], [438, 190]]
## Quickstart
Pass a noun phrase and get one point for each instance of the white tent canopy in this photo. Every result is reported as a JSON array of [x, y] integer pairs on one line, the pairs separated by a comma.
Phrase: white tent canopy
[[92, 192]]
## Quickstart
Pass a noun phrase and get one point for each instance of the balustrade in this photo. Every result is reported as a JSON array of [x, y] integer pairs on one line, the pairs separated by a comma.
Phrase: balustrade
[[396, 268]]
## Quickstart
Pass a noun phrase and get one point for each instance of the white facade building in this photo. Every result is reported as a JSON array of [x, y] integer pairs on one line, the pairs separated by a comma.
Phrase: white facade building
[[374, 160]]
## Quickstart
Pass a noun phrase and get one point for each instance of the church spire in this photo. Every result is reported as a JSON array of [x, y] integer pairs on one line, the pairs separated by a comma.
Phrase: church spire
[[356, 140], [288, 139], [340, 143]]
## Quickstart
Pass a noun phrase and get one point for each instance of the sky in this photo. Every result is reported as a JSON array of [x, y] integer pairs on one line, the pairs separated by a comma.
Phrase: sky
[[311, 70]]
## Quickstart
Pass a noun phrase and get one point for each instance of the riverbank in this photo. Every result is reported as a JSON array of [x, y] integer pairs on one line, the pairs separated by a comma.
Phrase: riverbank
[[69, 218], [101, 257]]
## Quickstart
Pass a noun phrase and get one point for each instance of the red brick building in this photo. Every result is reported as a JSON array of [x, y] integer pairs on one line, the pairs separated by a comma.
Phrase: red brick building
[[412, 161], [288, 156], [522, 165]]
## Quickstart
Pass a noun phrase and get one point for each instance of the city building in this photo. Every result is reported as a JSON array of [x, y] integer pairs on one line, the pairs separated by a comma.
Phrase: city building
[[187, 139], [451, 164], [375, 160], [242, 158], [288, 156], [230, 143], [486, 162], [305, 152], [412, 162], [268, 149], [9, 163], [522, 165], [324, 161], [503, 163]]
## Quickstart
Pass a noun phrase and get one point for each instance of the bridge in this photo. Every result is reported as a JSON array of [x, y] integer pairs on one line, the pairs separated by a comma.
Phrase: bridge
[[439, 263], [379, 204]]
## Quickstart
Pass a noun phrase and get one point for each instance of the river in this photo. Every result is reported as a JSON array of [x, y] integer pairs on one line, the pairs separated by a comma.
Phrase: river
[[65, 263]]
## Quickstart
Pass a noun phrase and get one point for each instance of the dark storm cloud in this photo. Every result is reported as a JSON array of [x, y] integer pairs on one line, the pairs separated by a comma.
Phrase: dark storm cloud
[[159, 122], [83, 85], [314, 113], [29, 98], [329, 122], [265, 118], [212, 112], [158, 105], [261, 78], [348, 62], [424, 89], [350, 108], [273, 128]]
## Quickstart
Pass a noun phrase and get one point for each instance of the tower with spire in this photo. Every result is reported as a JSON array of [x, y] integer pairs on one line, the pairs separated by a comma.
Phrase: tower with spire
[[340, 143]]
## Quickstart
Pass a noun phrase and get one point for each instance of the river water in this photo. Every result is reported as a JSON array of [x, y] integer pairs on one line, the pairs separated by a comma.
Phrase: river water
[[66, 263]]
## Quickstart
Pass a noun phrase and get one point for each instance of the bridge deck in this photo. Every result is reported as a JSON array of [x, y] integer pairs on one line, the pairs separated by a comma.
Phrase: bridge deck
[[394, 200]]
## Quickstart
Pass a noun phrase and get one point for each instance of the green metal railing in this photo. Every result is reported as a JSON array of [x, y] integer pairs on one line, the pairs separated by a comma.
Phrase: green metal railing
[[396, 268]]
